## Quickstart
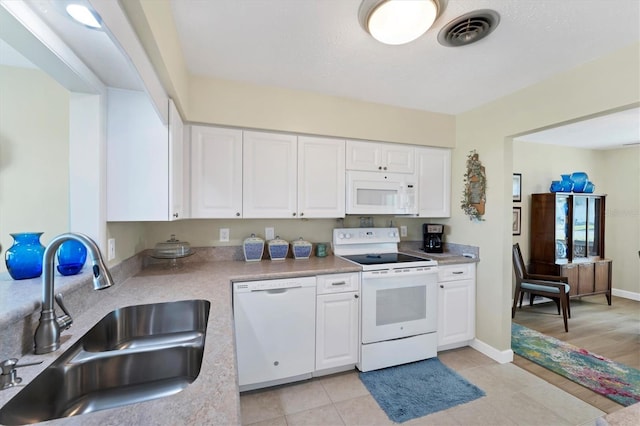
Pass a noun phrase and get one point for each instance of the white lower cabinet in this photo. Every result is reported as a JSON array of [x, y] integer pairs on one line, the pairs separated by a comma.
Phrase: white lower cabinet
[[337, 322], [456, 305]]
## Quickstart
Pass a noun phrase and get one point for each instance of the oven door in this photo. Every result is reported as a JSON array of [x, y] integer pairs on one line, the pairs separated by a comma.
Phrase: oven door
[[399, 303]]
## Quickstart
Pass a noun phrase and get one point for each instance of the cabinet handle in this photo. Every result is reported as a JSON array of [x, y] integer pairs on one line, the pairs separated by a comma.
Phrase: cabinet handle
[[175, 215], [441, 286], [385, 167], [237, 214], [294, 214], [339, 283], [301, 214], [457, 272], [379, 167]]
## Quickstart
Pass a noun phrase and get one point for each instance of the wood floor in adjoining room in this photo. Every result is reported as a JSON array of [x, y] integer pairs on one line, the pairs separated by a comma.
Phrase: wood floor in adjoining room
[[610, 331]]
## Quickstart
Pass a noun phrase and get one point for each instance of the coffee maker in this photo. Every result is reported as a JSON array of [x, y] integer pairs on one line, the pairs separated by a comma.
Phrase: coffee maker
[[432, 237]]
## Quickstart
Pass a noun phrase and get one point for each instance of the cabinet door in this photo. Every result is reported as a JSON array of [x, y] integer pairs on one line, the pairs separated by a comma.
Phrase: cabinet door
[[216, 172], [434, 182], [137, 159], [176, 164], [337, 328], [321, 181], [456, 312], [398, 158], [571, 272], [364, 156], [586, 278], [269, 171], [602, 275]]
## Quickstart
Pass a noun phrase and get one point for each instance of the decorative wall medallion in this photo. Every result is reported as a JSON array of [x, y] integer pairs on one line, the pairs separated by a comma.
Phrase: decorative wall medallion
[[474, 196]]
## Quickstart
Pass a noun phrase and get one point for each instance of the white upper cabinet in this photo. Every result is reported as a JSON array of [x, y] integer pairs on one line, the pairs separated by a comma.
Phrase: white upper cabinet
[[434, 174], [176, 164], [321, 179], [143, 183], [269, 172], [383, 157], [216, 172]]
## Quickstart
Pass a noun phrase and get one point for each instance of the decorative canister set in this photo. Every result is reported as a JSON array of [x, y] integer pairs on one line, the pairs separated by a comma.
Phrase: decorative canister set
[[253, 249], [576, 182], [24, 258]]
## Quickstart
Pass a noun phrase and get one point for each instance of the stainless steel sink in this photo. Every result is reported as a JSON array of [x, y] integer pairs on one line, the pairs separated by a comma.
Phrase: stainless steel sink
[[133, 354], [149, 325]]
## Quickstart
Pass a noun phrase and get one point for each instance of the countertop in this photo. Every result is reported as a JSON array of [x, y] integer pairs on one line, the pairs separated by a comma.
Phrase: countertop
[[213, 398]]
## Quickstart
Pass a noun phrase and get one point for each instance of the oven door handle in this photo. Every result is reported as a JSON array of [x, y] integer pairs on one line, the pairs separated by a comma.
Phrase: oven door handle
[[398, 273]]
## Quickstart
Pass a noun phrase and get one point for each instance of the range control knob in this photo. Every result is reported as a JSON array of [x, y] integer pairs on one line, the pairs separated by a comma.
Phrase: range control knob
[[347, 236], [341, 236]]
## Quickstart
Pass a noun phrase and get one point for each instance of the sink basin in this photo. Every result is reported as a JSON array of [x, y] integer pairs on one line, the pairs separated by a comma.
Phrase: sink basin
[[133, 354], [149, 325]]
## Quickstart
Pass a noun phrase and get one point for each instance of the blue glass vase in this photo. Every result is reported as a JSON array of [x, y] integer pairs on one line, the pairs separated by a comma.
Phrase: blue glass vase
[[566, 184], [71, 257], [24, 257], [579, 181]]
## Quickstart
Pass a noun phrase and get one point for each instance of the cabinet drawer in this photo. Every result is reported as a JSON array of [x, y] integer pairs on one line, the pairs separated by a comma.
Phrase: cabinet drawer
[[338, 283], [463, 271]]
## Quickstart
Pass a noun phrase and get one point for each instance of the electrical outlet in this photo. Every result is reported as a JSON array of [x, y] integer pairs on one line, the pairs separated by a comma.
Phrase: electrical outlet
[[224, 235], [111, 249], [403, 231], [269, 233]]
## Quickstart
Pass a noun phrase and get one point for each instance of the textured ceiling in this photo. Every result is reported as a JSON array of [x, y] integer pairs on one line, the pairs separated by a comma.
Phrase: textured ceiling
[[318, 45]]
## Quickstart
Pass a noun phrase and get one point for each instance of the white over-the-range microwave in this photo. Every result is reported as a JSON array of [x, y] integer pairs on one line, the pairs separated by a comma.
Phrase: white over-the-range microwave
[[381, 193]]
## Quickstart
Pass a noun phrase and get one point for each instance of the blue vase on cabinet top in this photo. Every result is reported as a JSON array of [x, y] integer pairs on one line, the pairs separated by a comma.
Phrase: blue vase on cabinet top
[[579, 181], [71, 257], [566, 183], [24, 257]]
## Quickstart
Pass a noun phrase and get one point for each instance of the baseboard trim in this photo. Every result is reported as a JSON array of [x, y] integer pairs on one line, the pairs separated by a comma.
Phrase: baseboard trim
[[625, 294], [502, 357]]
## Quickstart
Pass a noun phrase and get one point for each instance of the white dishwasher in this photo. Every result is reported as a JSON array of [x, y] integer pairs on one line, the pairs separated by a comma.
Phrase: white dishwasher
[[275, 330]]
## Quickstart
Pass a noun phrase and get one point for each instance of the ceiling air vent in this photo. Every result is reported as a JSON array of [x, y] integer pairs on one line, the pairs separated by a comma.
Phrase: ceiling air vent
[[469, 28]]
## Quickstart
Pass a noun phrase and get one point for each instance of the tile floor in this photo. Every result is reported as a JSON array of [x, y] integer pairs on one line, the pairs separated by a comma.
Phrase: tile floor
[[514, 397]]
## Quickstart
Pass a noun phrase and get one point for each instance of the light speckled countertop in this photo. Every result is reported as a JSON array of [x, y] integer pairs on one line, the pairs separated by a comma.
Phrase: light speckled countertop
[[213, 398]]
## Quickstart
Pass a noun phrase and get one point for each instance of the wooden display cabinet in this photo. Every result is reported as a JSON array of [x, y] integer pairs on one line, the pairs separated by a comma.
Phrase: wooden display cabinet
[[567, 238]]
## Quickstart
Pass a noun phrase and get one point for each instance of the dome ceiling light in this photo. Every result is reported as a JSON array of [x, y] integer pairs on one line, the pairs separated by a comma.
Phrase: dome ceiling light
[[85, 16], [398, 22]]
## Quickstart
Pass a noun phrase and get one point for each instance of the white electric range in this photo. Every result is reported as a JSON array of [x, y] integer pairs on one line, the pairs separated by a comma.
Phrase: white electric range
[[399, 301]]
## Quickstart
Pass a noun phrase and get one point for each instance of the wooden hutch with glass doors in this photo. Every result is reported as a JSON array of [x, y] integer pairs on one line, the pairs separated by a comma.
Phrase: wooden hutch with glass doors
[[567, 239]]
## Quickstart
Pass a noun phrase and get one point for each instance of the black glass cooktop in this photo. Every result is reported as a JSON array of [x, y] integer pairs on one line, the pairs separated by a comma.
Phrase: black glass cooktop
[[383, 258]]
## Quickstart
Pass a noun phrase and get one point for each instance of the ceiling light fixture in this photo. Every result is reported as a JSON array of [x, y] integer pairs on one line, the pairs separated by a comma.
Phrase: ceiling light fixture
[[398, 22], [85, 16]]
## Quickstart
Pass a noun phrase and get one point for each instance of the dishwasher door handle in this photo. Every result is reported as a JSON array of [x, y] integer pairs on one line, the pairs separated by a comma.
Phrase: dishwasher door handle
[[276, 290]]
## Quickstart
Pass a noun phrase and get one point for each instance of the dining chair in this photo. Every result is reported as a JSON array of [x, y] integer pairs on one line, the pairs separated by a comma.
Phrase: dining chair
[[549, 286]]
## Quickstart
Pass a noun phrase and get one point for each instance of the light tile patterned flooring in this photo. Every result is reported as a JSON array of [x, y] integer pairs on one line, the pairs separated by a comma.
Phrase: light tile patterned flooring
[[514, 397]]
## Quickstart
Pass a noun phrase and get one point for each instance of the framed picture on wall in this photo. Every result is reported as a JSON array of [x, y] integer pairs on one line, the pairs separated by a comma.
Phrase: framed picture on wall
[[517, 220], [517, 187]]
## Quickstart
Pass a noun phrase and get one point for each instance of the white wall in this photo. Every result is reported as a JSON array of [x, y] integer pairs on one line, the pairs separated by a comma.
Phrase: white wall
[[34, 155]]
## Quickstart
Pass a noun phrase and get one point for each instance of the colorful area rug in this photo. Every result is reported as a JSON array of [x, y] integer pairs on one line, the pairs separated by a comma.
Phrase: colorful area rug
[[414, 390], [604, 376]]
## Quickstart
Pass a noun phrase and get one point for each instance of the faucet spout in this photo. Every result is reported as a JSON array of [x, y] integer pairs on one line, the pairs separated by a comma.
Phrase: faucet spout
[[47, 335]]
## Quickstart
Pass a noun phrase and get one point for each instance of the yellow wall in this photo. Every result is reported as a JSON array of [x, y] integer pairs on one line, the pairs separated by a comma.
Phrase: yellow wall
[[246, 105], [34, 155], [602, 85]]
